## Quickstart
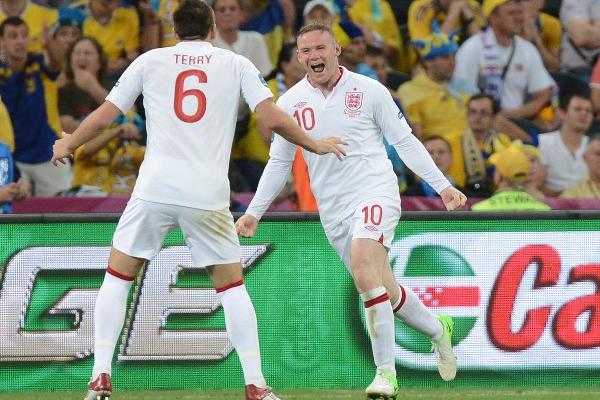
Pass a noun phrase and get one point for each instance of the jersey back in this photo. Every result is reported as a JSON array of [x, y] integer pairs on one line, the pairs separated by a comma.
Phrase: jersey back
[[191, 92]]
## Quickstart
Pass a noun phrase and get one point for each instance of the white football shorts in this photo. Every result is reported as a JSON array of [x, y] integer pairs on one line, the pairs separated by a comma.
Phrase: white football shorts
[[376, 219], [210, 235]]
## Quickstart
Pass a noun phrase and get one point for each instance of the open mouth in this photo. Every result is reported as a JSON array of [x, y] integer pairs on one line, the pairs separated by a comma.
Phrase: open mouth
[[318, 67]]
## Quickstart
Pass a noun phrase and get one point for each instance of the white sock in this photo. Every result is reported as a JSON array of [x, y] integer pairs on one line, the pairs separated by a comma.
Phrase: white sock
[[109, 316], [240, 320], [413, 313], [380, 324]]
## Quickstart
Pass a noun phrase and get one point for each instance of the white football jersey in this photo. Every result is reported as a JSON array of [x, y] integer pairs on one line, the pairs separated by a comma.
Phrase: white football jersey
[[191, 92], [361, 111]]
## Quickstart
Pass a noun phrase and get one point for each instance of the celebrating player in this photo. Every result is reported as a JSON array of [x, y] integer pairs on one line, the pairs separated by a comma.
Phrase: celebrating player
[[358, 199], [191, 92]]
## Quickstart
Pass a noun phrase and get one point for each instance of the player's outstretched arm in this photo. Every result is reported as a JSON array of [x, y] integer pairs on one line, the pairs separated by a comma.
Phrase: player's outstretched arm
[[92, 126], [277, 120], [246, 225]]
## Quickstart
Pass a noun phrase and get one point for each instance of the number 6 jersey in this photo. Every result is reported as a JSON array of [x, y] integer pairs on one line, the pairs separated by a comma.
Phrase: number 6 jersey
[[191, 92]]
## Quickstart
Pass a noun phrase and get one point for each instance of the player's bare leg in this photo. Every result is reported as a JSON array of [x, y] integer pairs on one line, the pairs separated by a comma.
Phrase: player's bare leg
[[240, 321], [367, 263], [109, 316], [408, 308]]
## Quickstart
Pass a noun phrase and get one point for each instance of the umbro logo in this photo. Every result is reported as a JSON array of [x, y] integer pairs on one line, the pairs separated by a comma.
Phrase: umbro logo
[[300, 104]]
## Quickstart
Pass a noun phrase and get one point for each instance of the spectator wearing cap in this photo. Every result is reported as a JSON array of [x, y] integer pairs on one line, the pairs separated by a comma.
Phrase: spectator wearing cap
[[562, 150], [543, 31], [505, 65], [116, 26], [318, 11], [66, 31], [354, 48], [581, 39], [510, 173], [461, 17], [36, 16], [434, 103], [589, 187]]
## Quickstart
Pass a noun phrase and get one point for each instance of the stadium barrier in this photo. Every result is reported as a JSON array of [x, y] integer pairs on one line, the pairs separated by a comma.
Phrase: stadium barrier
[[523, 289]]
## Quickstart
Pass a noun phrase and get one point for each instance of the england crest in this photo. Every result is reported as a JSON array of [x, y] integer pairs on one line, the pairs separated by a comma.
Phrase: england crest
[[354, 101]]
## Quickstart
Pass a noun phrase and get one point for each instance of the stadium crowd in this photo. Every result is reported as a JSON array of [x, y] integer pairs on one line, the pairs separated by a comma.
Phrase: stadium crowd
[[504, 94]]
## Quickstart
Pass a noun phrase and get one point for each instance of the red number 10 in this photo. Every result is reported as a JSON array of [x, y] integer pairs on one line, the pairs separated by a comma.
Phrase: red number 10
[[181, 94], [308, 118], [375, 214]]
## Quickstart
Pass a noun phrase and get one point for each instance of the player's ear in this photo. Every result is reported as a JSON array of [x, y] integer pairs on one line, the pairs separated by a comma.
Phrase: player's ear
[[338, 48], [176, 35]]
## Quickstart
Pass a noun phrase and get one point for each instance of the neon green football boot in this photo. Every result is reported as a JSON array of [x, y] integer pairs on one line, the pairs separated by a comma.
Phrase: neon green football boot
[[446, 360], [384, 386]]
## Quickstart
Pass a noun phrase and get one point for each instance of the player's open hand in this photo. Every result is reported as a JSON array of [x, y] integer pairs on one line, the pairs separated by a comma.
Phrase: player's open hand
[[453, 198], [331, 144], [62, 151], [246, 225]]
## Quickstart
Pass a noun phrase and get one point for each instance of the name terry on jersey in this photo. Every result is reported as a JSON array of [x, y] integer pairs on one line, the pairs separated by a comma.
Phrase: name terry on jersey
[[186, 59]]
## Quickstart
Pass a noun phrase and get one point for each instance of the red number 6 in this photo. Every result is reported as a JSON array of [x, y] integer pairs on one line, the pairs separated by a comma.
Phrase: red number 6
[[181, 94]]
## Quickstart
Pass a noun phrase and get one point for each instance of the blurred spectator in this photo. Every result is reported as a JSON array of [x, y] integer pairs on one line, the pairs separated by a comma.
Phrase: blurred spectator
[[505, 65], [228, 17], [66, 31], [68, 28], [544, 31], [109, 163], [510, 173], [6, 130], [9, 189], [37, 17], [318, 11], [460, 17], [441, 153], [595, 86], [251, 153], [589, 187], [273, 19], [157, 23], [354, 49], [116, 26], [534, 184], [434, 104], [581, 39], [562, 150], [378, 23], [478, 142], [375, 59], [28, 89], [83, 93]]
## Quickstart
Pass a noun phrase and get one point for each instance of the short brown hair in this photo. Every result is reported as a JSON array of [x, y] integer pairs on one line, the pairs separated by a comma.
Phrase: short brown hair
[[193, 19], [315, 26]]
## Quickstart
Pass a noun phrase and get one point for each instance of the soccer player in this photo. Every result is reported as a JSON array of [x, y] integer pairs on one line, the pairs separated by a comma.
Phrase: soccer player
[[191, 91], [358, 198]]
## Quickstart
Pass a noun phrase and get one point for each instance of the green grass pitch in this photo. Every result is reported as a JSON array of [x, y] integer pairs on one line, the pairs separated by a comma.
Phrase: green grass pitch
[[550, 393]]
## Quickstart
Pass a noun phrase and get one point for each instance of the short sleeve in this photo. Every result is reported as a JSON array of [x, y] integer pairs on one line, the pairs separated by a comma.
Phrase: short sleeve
[[468, 61], [129, 86], [254, 87]]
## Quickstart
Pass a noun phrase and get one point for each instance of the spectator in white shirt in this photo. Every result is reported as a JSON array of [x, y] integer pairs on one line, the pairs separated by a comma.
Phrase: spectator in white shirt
[[562, 150], [505, 65]]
